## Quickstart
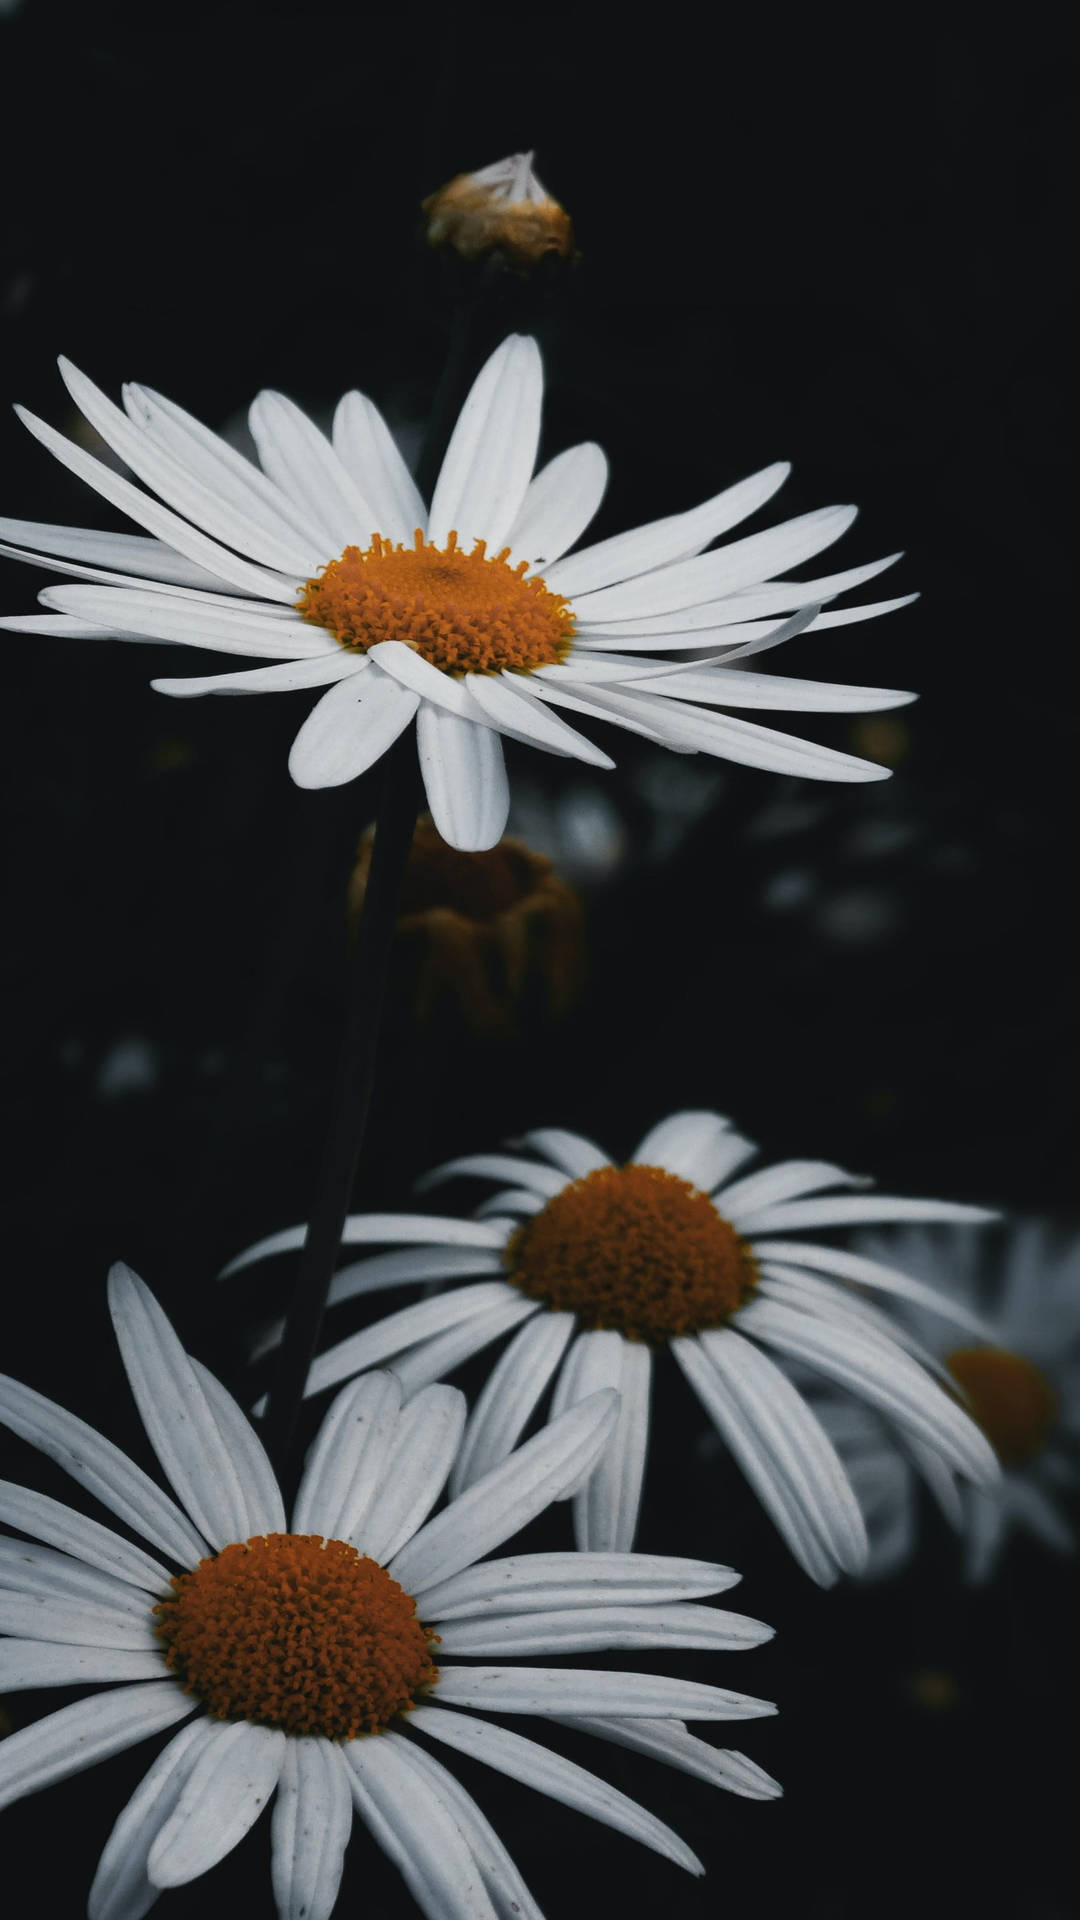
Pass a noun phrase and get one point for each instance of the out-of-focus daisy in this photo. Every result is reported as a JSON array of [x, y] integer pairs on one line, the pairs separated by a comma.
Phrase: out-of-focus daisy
[[302, 1662], [327, 566], [500, 208], [602, 1266], [1021, 1382]]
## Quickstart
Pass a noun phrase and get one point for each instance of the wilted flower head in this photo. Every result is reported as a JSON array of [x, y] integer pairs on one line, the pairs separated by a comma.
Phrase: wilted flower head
[[502, 208]]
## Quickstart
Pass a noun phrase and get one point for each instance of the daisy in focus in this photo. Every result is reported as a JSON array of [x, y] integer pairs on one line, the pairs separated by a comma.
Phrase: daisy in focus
[[603, 1266], [1020, 1382], [463, 617], [298, 1665]]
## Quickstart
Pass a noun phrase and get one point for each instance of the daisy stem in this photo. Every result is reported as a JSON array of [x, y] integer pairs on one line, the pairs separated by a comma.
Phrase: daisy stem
[[394, 824]]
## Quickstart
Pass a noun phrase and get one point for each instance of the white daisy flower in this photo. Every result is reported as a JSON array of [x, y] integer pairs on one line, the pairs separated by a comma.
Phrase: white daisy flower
[[1020, 1381], [463, 616], [284, 1654], [601, 1266]]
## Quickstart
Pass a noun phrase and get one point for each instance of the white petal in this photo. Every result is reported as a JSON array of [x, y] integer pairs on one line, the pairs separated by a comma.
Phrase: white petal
[[606, 1507], [194, 1452], [403, 663], [850, 1211], [505, 1500], [265, 1509], [603, 703], [594, 1360], [561, 1779], [784, 1503], [492, 450], [148, 513], [510, 1395], [362, 1229], [411, 1264], [372, 1345], [790, 1179], [121, 1890], [496, 1166], [304, 465], [81, 1735], [283, 677], [61, 626], [871, 1273], [687, 1144], [741, 563], [508, 706], [102, 1469], [599, 1629], [571, 1690], [185, 488], [732, 1153], [423, 1441], [725, 687], [627, 555], [223, 1796], [56, 1663], [570, 1151], [504, 1883], [668, 1740], [351, 727], [464, 776], [827, 1301], [446, 1351], [407, 1817], [531, 1582], [309, 1831], [511, 1200], [558, 505], [97, 1546], [131, 553], [751, 745], [74, 1623], [26, 1567], [366, 447], [189, 622], [344, 1465]]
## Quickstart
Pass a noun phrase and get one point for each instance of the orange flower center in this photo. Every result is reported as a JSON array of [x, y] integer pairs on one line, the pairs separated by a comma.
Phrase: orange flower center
[[463, 612], [1010, 1398], [635, 1249], [297, 1632]]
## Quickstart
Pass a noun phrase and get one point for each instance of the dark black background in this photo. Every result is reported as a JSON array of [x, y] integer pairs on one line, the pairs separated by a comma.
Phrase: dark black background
[[848, 252]]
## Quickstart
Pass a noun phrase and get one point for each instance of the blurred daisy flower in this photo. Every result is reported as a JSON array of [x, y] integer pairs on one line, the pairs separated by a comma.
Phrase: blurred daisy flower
[[284, 1653], [1020, 1381], [601, 1266], [464, 616]]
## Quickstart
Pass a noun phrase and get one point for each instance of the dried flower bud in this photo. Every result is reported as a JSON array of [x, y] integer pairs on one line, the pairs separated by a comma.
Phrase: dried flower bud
[[492, 932], [500, 208]]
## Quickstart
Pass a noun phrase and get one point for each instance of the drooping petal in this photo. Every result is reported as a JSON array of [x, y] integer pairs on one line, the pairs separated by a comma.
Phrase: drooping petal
[[511, 1896], [121, 1889], [464, 776], [407, 1817], [606, 1507], [505, 698]]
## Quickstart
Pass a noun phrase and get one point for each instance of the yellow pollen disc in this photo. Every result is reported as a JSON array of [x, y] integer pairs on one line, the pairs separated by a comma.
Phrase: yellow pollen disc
[[297, 1632], [463, 612], [635, 1249], [1010, 1398]]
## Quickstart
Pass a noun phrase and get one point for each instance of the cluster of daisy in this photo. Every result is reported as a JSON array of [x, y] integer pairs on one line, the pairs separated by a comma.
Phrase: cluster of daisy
[[323, 1658]]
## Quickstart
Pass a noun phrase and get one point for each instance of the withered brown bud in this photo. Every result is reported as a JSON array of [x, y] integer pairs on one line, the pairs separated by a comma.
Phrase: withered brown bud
[[499, 208]]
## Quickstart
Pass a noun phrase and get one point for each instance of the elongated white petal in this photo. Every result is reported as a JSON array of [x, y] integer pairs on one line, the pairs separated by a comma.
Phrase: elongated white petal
[[492, 450], [751, 745], [760, 636], [464, 776], [223, 1796], [599, 1629], [445, 1352], [61, 626], [751, 603], [26, 1567], [789, 1180], [668, 1740], [496, 1166], [510, 1200], [594, 1360], [367, 449], [505, 1500], [362, 1229], [102, 1469], [423, 1441], [343, 1469], [180, 484], [409, 1819], [283, 677], [559, 503], [871, 1273], [741, 563], [264, 1507], [129, 553], [888, 1380], [228, 471], [304, 465], [505, 700], [411, 1264], [808, 1292], [784, 1501], [148, 513], [606, 1507], [509, 1396], [511, 1896], [79, 1736], [74, 1622], [176, 1413], [570, 1151], [403, 1329], [564, 1690], [531, 1582], [91, 1543], [351, 727], [684, 1144], [726, 687], [561, 1779], [121, 1890], [851, 1211], [627, 555], [430, 682], [309, 1831], [189, 622], [603, 703], [57, 1663]]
